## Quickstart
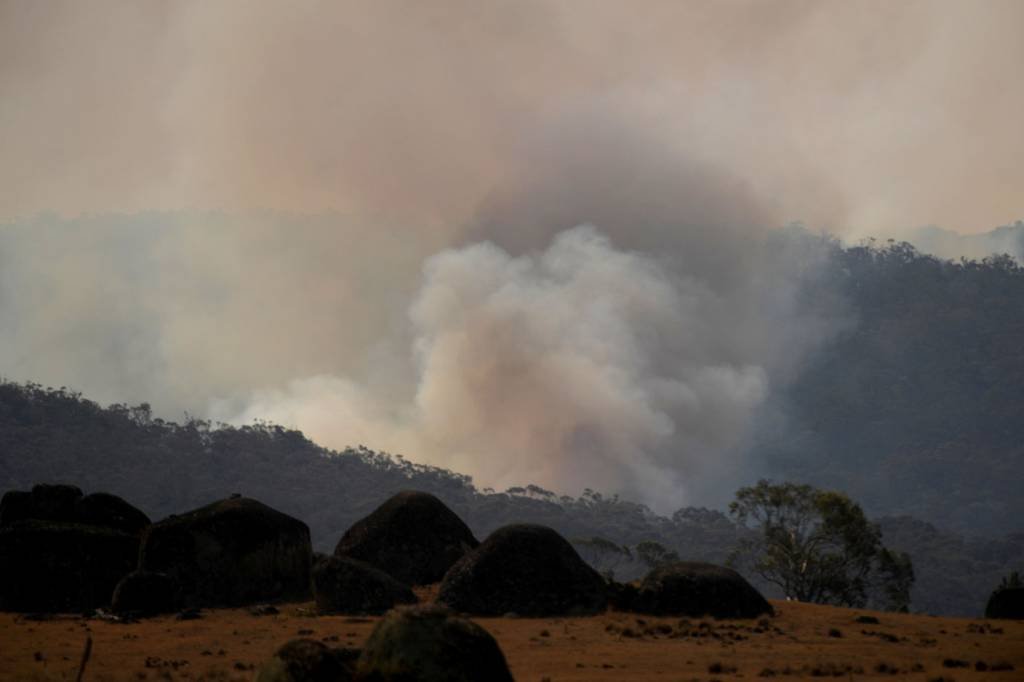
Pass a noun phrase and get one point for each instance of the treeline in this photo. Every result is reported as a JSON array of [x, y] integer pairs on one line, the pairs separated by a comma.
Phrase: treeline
[[49, 435], [955, 573], [165, 467]]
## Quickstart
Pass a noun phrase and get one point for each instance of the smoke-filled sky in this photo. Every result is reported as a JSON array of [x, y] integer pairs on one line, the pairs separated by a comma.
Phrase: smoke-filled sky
[[525, 240], [871, 112]]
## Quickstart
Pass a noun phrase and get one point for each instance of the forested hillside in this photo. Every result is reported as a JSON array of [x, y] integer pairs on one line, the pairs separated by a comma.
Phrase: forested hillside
[[165, 467], [51, 435], [918, 407]]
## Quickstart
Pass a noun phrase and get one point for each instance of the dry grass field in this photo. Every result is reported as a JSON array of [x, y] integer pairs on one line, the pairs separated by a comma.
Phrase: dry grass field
[[802, 641]]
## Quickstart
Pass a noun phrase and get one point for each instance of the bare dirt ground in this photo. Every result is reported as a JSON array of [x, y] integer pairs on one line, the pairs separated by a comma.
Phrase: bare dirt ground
[[802, 641]]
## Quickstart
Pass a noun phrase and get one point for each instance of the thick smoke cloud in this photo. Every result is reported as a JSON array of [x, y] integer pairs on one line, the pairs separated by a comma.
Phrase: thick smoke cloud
[[633, 355], [580, 364], [177, 308], [866, 115], [527, 240]]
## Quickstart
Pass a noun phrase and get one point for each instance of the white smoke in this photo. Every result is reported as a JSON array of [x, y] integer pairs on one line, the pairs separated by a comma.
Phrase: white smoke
[[634, 357], [580, 365]]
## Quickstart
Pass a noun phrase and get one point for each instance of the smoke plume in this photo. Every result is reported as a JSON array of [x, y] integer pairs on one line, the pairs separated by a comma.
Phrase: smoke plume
[[578, 364], [530, 241], [864, 115]]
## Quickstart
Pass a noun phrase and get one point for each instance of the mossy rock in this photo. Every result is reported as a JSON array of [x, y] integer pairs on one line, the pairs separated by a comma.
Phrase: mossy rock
[[1007, 603], [697, 589], [526, 569], [233, 552], [306, 660], [430, 644], [413, 537], [344, 585], [62, 567]]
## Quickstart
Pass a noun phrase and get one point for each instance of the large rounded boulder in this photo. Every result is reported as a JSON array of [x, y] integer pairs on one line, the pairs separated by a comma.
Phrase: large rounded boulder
[[1007, 602], [15, 505], [413, 537], [55, 502], [57, 567], [110, 511], [60, 503], [698, 589], [525, 569], [306, 660], [46, 502], [430, 644], [230, 553], [144, 593], [343, 585]]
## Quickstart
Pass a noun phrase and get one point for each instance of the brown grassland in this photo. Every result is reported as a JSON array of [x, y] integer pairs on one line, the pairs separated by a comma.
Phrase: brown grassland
[[801, 641]]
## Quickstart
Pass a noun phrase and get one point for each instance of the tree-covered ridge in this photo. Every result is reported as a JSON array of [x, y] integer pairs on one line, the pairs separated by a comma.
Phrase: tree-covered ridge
[[165, 467], [916, 407], [49, 435]]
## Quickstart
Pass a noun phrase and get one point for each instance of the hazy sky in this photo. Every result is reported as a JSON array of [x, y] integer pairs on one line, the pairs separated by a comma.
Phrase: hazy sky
[[871, 114], [524, 240]]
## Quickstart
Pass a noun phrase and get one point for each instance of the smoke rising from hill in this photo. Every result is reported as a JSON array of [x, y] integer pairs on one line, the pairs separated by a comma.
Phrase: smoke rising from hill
[[580, 365], [528, 241], [631, 359]]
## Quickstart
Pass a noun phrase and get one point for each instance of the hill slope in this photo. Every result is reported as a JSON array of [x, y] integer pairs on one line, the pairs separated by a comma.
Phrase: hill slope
[[917, 408], [165, 468]]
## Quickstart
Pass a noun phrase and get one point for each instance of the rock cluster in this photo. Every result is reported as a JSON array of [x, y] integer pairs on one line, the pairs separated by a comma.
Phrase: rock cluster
[[62, 567], [58, 503], [61, 551]]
